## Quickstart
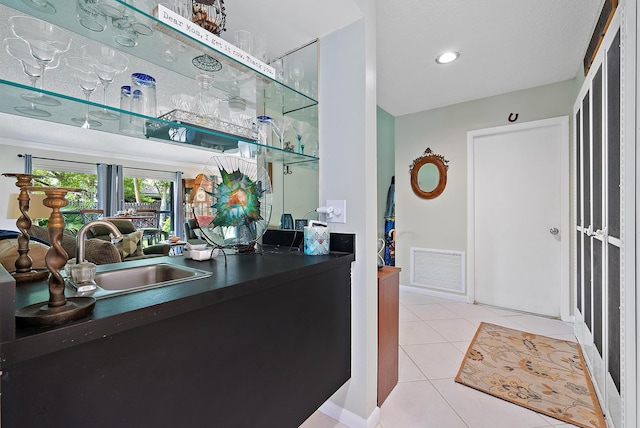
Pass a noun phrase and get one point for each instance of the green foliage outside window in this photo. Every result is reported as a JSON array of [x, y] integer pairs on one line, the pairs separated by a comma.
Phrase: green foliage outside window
[[136, 190]]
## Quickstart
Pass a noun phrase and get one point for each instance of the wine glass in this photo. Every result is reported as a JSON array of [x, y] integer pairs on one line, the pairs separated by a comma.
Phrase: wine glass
[[281, 127], [19, 49], [40, 5], [83, 71], [301, 129], [107, 63], [45, 41], [296, 73]]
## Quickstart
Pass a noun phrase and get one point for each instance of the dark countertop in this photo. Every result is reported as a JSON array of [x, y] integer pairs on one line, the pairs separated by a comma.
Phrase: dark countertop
[[243, 274]]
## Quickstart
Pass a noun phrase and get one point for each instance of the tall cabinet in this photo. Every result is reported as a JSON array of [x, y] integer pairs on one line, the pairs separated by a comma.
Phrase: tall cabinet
[[600, 238]]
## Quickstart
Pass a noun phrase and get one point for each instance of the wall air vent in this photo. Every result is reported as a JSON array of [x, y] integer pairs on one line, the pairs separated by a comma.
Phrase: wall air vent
[[438, 269]]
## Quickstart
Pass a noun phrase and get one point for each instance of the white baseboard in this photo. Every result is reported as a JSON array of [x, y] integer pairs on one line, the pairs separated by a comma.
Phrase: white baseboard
[[434, 293], [348, 418]]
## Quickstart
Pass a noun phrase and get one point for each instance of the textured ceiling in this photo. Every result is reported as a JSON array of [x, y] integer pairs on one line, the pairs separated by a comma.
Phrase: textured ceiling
[[504, 45]]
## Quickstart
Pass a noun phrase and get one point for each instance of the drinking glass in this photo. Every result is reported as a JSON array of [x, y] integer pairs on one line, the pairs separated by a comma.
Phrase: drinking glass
[[90, 16], [146, 85], [244, 41], [19, 49], [123, 32], [111, 8], [45, 41], [83, 71], [107, 63], [206, 104]]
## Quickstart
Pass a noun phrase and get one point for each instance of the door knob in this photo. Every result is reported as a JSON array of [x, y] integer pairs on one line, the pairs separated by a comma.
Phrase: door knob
[[554, 231]]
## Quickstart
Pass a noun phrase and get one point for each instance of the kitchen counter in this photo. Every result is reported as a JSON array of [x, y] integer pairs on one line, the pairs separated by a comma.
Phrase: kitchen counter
[[233, 349]]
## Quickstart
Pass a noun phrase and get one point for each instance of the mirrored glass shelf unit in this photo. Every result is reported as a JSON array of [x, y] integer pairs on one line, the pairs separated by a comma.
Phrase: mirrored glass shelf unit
[[263, 93]]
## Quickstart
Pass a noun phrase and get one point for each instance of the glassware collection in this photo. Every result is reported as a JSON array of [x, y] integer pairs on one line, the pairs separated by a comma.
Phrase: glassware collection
[[39, 46]]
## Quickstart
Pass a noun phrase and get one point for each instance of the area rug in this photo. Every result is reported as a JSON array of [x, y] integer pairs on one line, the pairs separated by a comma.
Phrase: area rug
[[540, 373]]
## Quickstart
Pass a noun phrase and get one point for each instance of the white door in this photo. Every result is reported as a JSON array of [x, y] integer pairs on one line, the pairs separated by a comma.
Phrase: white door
[[518, 217]]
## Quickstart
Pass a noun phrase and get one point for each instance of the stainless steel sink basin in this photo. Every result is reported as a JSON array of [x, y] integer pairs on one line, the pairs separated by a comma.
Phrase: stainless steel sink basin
[[127, 280]]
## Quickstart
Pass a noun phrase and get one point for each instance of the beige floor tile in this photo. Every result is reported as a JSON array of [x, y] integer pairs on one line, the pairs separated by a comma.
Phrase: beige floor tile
[[502, 311], [433, 311], [416, 332], [570, 337], [542, 325], [503, 321], [406, 315], [436, 360], [407, 370], [454, 330], [463, 346], [465, 310], [556, 423], [320, 420], [418, 405], [418, 299]]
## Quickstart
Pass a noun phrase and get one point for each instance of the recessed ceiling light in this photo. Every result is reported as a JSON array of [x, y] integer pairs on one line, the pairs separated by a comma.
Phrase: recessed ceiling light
[[447, 57]]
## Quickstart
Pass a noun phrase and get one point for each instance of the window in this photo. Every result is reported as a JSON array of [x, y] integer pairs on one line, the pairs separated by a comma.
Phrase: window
[[70, 175], [111, 188], [145, 189]]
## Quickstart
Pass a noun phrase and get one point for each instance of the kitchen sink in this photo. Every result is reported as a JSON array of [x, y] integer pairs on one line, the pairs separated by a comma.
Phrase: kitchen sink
[[127, 280]]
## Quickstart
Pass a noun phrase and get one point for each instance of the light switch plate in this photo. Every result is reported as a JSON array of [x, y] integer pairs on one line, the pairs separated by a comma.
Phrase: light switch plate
[[339, 206]]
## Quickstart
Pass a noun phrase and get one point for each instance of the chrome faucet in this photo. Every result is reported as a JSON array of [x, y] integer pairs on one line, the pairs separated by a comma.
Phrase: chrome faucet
[[83, 230]]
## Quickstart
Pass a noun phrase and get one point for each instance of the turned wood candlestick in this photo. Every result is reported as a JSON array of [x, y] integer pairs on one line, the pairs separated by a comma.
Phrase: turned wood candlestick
[[24, 263], [59, 309]]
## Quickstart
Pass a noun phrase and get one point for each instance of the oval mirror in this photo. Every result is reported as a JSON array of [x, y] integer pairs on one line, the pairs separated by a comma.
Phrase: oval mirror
[[429, 175]]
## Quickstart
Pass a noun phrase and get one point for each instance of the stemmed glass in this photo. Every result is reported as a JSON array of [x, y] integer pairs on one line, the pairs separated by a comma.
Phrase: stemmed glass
[[45, 41], [107, 63], [296, 73], [85, 75], [281, 127], [301, 128], [19, 49], [40, 5]]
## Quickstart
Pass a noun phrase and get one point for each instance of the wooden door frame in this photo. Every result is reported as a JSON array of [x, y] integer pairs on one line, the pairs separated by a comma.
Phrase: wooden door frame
[[565, 203]]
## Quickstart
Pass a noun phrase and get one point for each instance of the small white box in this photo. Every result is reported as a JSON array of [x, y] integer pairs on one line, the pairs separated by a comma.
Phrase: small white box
[[206, 254]]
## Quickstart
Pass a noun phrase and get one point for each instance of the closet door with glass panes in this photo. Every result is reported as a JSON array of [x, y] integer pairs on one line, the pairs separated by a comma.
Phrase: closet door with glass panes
[[597, 218]]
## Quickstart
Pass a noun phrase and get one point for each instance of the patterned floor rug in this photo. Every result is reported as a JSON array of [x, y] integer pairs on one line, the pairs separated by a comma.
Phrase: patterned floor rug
[[540, 373]]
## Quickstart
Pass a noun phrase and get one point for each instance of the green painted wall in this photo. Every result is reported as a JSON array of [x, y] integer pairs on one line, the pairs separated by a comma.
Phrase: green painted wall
[[386, 133]]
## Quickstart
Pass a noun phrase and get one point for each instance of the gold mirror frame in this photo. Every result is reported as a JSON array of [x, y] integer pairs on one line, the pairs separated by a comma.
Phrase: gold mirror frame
[[440, 162]]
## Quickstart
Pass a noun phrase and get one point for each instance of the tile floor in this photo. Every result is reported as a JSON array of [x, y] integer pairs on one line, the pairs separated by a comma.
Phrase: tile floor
[[434, 336]]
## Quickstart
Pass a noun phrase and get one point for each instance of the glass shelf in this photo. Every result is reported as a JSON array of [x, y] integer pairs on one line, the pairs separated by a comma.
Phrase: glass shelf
[[269, 95], [174, 132], [151, 47]]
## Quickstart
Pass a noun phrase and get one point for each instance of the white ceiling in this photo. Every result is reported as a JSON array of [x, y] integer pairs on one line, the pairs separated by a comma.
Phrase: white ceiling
[[505, 45]]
